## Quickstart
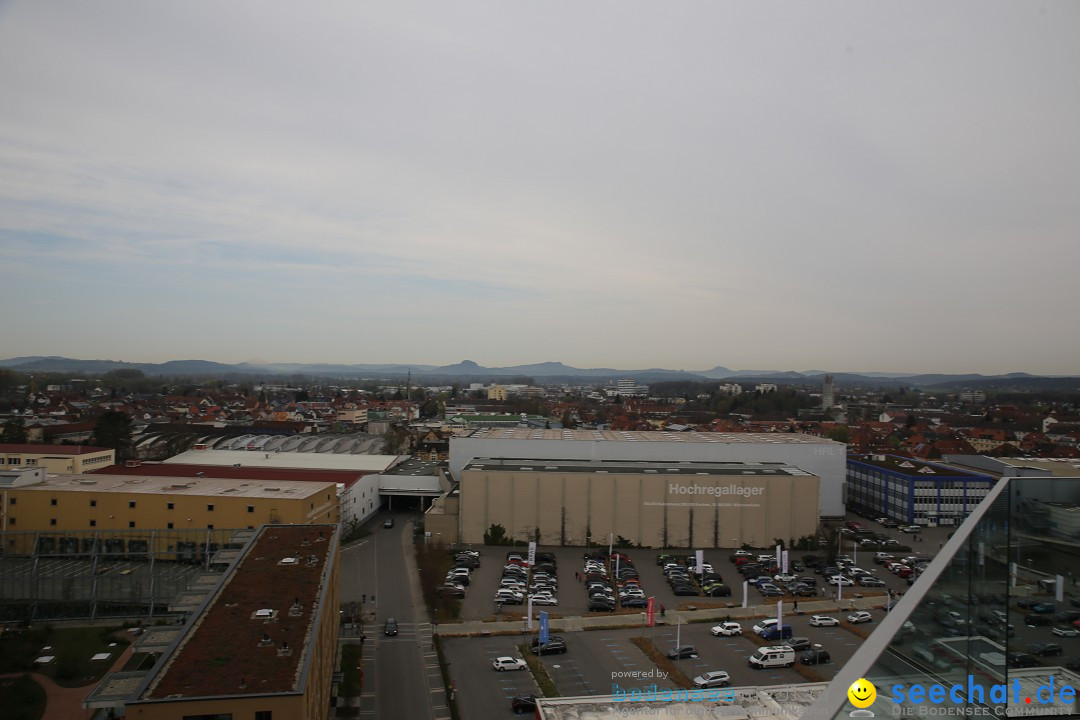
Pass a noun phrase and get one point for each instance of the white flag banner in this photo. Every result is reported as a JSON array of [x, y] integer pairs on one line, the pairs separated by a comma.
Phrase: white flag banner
[[784, 564], [532, 553]]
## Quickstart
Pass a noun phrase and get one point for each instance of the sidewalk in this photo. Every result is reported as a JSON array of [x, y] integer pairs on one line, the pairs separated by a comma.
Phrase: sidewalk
[[593, 622]]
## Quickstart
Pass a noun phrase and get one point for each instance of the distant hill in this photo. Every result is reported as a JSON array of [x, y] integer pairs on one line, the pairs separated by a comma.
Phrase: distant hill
[[544, 372]]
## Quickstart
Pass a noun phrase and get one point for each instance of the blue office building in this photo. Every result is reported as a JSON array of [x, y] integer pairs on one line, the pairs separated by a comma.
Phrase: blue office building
[[912, 491]]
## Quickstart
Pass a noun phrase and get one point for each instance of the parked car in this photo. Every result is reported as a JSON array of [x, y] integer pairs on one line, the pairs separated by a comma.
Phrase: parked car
[[815, 657], [798, 643], [508, 663], [555, 644], [682, 652], [1044, 649], [910, 528], [1022, 660], [715, 678], [1065, 631], [1043, 608], [727, 628], [601, 606], [823, 621], [860, 617], [1039, 620], [521, 704]]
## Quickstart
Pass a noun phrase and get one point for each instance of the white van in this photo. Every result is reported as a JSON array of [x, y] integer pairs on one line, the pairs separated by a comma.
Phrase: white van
[[772, 656]]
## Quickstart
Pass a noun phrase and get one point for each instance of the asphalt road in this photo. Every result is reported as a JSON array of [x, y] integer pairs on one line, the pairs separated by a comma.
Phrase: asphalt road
[[393, 666], [481, 691]]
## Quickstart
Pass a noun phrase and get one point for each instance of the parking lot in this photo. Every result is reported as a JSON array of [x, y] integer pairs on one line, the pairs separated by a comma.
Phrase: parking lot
[[479, 602], [596, 660]]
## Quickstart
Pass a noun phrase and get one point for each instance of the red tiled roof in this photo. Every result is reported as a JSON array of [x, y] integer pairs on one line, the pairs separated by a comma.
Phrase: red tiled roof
[[46, 449], [346, 477]]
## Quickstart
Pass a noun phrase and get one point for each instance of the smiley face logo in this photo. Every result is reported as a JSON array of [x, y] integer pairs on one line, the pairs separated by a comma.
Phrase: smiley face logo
[[862, 693]]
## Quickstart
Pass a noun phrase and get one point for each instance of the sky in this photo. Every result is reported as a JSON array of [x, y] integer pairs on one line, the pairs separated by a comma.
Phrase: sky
[[838, 186]]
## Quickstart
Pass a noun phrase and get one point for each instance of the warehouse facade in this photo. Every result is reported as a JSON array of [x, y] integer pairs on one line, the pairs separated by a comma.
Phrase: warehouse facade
[[825, 459], [654, 504]]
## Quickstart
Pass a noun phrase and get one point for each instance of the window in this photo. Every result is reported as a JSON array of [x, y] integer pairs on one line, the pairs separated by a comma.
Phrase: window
[[210, 508], [12, 502], [11, 521], [251, 508], [52, 521], [169, 526], [212, 716], [93, 503], [131, 524], [131, 503], [52, 501], [93, 523], [210, 527], [170, 506], [264, 715]]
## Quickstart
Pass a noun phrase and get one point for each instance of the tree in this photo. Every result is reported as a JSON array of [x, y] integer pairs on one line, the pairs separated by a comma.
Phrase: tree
[[14, 430], [840, 433], [395, 441], [113, 430]]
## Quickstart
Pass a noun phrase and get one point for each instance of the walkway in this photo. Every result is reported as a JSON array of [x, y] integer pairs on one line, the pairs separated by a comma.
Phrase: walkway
[[64, 703]]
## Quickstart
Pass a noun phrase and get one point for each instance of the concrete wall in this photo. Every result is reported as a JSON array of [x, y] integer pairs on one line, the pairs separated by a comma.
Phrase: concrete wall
[[639, 507], [825, 458]]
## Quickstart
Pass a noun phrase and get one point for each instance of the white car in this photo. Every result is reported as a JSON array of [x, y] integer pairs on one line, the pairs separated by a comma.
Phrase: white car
[[543, 600], [784, 578], [840, 580], [860, 617], [716, 678], [765, 625], [910, 528], [1065, 631], [503, 664], [823, 621], [727, 628]]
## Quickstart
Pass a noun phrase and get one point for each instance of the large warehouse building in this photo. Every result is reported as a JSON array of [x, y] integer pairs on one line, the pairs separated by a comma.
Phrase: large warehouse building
[[658, 504], [823, 458]]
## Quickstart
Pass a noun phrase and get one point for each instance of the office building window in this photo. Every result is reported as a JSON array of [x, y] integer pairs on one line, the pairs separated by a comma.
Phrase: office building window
[[52, 521], [93, 523], [52, 501], [210, 508], [210, 527], [131, 524], [131, 503], [264, 715], [169, 526], [251, 508], [11, 521], [170, 506], [93, 503], [12, 501]]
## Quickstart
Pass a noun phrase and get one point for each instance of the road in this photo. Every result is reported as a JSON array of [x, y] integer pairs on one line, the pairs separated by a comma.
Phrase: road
[[393, 666]]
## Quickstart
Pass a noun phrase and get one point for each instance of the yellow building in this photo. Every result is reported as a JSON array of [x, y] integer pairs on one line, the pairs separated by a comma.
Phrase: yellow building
[[74, 459], [60, 503], [496, 392], [263, 645]]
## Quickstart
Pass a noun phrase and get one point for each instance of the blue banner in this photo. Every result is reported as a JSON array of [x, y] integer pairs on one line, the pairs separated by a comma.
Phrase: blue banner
[[543, 627]]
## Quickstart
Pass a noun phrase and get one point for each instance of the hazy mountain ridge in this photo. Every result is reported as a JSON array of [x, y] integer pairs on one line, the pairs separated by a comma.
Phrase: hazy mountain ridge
[[552, 371]]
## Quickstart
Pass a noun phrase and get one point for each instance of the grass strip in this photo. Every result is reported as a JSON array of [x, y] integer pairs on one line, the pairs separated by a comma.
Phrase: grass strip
[[540, 673], [661, 661]]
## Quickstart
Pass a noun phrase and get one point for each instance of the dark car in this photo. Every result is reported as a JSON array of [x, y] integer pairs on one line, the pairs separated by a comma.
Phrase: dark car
[[1044, 649], [815, 657], [801, 590], [635, 602], [555, 644], [718, 591], [601, 606], [1038, 620], [684, 590], [390, 627], [681, 652], [798, 643], [1043, 608], [454, 591], [1022, 660], [523, 703], [389, 523]]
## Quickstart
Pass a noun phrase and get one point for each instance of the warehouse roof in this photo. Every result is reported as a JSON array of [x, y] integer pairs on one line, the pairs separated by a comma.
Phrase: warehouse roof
[[761, 469], [315, 461], [648, 436], [46, 449], [199, 487], [344, 477]]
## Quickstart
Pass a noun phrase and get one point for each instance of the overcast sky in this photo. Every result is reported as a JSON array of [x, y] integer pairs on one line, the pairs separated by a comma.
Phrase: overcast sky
[[835, 186]]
